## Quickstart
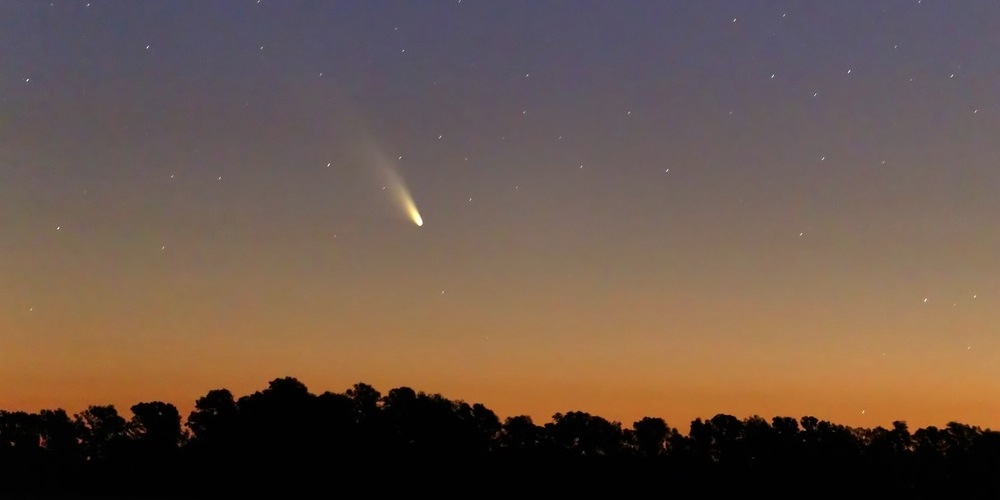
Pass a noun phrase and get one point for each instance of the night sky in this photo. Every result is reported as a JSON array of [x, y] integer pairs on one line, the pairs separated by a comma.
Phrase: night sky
[[659, 208]]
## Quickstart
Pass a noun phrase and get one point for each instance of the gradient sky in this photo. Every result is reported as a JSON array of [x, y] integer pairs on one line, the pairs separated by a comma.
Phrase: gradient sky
[[632, 208]]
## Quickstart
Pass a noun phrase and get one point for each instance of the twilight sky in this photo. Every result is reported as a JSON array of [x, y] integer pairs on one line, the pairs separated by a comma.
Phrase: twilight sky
[[629, 208]]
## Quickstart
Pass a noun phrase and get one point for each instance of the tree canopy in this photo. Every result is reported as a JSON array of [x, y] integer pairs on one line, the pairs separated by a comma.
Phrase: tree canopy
[[286, 435]]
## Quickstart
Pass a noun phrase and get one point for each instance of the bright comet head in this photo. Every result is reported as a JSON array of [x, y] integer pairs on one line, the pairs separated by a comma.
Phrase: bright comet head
[[403, 195], [414, 214], [407, 202]]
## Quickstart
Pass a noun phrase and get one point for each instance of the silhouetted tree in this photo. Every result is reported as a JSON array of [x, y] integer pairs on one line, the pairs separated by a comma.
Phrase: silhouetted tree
[[586, 434], [432, 424], [336, 428], [487, 426], [22, 460], [719, 440], [19, 431], [286, 437], [217, 436], [366, 402], [834, 454], [156, 426], [60, 435], [214, 418], [786, 447], [520, 433], [277, 420], [759, 439], [401, 414], [651, 436], [102, 431], [371, 438]]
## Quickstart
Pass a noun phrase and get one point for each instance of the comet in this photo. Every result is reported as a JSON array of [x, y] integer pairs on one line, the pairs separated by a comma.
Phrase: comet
[[402, 195], [392, 181], [411, 208]]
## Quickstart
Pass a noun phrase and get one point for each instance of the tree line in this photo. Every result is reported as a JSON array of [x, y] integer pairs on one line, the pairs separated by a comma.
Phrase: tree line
[[287, 438]]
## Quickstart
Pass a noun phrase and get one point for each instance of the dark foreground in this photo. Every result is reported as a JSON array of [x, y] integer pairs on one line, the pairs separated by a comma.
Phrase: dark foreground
[[286, 440]]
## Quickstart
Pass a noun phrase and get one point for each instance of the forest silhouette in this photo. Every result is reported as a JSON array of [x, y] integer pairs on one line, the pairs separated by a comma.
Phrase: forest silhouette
[[286, 439]]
